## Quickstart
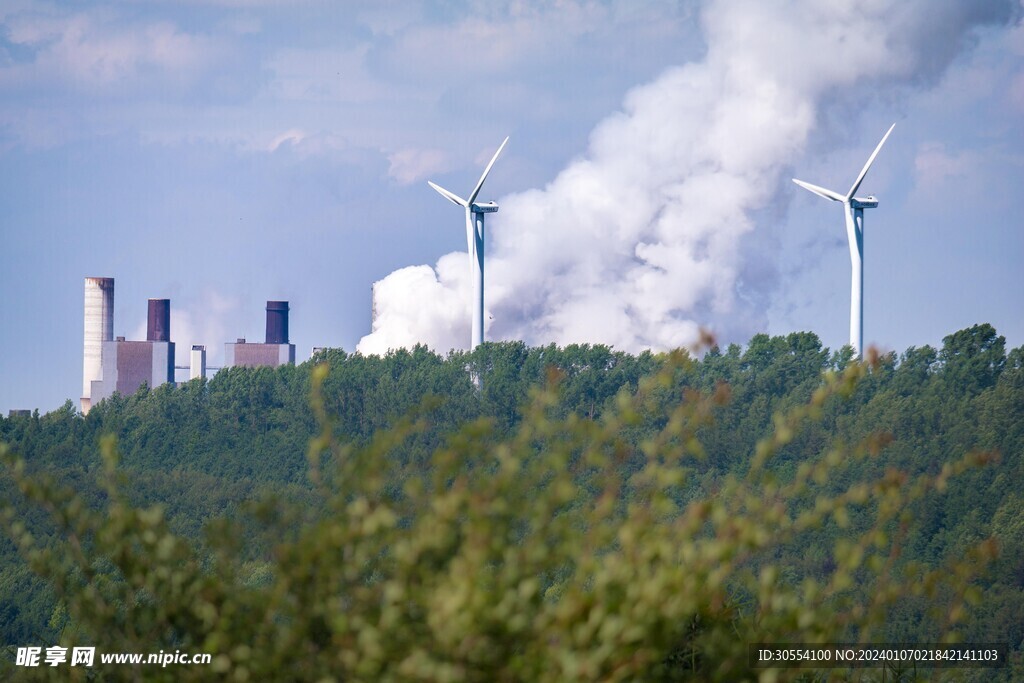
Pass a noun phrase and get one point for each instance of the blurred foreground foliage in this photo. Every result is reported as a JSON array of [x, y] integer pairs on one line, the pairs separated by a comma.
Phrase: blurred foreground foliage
[[554, 545]]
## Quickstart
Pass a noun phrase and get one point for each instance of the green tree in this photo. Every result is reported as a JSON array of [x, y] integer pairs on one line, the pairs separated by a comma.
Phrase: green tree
[[973, 359]]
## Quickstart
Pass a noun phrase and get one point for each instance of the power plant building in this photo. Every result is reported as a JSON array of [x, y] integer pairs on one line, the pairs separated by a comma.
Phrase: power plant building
[[127, 365], [116, 365], [274, 352]]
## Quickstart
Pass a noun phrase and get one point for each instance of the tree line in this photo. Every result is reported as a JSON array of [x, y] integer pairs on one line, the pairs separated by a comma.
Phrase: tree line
[[789, 481]]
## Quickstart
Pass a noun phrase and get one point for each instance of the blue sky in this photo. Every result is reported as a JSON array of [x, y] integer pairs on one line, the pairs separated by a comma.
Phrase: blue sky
[[221, 154]]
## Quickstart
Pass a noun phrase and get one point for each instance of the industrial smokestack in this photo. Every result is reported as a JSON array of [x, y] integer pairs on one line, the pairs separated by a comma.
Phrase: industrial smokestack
[[197, 368], [277, 322], [158, 327], [99, 327]]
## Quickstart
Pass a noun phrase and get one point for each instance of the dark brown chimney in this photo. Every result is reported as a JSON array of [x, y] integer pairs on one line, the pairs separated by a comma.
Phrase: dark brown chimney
[[277, 322], [159, 325]]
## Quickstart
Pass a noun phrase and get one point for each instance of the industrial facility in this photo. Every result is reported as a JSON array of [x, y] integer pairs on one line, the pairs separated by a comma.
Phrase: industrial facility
[[116, 365], [273, 352], [123, 366]]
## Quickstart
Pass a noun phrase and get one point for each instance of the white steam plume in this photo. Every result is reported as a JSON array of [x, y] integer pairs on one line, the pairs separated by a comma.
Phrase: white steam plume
[[647, 237], [205, 322]]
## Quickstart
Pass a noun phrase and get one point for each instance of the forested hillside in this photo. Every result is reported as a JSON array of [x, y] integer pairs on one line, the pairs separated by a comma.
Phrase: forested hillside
[[206, 450]]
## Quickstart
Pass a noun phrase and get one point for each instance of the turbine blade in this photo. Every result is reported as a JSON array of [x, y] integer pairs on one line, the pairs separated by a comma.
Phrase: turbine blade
[[871, 160], [476, 190], [450, 196], [821, 191]]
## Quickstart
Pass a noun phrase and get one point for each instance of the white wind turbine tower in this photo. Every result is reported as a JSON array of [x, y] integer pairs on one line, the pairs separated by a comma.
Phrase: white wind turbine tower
[[475, 242], [853, 208]]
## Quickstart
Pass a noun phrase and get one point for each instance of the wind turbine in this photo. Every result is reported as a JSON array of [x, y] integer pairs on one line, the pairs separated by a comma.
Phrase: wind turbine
[[853, 209], [475, 243]]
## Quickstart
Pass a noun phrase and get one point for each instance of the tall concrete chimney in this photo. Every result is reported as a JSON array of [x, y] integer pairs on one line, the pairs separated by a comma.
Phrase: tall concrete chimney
[[99, 327], [197, 367]]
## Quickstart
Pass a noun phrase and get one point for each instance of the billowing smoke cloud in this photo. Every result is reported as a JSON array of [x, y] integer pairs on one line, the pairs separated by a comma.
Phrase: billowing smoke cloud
[[647, 237]]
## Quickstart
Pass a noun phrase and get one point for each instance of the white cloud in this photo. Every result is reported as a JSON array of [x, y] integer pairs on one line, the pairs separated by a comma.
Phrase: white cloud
[[293, 137], [408, 166], [492, 38], [300, 142], [94, 52]]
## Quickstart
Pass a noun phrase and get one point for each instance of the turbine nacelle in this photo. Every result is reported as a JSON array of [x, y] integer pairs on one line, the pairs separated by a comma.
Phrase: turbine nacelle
[[486, 207], [475, 207], [868, 202]]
